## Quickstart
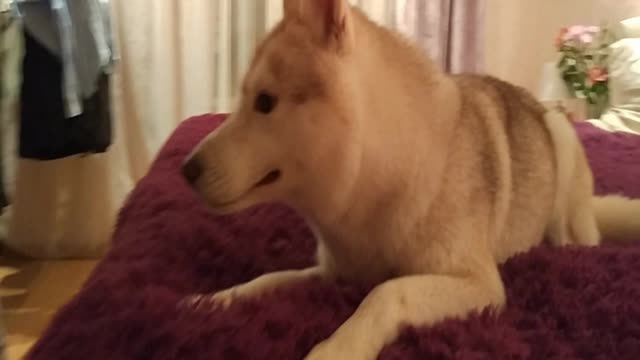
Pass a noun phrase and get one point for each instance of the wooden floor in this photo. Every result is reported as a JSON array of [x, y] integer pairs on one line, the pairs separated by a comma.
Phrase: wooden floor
[[31, 292]]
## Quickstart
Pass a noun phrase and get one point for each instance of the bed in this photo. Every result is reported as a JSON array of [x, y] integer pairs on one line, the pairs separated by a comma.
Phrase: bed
[[563, 303]]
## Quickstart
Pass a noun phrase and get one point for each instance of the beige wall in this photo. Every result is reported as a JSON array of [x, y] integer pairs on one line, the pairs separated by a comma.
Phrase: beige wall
[[520, 33]]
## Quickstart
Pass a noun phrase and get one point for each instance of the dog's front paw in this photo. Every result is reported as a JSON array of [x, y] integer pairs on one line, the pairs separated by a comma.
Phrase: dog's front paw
[[218, 301]]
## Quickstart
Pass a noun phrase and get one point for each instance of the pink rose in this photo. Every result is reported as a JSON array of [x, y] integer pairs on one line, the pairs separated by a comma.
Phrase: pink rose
[[586, 38], [597, 74], [584, 34], [560, 38]]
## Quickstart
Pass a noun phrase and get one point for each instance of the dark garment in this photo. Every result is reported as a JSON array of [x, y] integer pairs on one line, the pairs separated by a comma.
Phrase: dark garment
[[45, 133]]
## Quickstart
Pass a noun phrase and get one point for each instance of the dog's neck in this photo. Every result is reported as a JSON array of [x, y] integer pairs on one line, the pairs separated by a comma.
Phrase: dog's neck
[[405, 141]]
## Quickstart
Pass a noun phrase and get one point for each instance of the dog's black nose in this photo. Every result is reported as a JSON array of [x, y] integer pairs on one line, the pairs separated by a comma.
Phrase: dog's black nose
[[192, 169]]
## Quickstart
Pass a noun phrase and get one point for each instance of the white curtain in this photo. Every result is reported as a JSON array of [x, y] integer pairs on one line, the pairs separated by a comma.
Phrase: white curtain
[[177, 58]]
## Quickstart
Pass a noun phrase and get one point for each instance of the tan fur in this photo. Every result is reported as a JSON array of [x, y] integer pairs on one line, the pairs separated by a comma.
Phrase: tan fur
[[618, 218], [412, 180]]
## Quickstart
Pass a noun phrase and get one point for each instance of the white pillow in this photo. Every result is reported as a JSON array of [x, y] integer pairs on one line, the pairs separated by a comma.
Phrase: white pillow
[[624, 71], [624, 86], [629, 28]]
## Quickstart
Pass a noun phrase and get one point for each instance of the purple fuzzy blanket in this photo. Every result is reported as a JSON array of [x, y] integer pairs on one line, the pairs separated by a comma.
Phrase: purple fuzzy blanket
[[570, 303]]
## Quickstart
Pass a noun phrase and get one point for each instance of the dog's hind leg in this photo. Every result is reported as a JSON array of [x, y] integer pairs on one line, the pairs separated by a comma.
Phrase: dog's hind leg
[[572, 220], [582, 221]]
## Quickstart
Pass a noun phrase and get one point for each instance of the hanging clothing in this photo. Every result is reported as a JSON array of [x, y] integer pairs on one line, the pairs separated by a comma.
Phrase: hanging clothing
[[65, 90], [45, 131], [78, 32], [10, 59]]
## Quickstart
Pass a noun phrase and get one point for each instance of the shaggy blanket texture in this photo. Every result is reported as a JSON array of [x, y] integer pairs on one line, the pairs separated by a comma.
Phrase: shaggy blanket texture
[[563, 303]]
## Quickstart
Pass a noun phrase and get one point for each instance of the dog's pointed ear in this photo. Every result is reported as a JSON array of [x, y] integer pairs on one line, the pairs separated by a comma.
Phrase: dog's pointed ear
[[330, 20], [291, 8]]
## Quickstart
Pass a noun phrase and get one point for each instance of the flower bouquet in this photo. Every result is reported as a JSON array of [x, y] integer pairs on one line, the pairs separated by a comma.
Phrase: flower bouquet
[[583, 64]]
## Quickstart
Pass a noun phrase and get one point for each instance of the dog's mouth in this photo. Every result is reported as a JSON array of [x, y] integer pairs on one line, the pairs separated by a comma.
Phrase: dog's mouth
[[271, 177]]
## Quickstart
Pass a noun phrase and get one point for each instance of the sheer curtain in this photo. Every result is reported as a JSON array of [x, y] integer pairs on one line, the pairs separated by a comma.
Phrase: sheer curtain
[[178, 59], [450, 31]]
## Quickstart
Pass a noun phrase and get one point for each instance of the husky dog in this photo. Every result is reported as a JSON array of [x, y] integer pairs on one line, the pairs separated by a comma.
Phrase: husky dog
[[414, 181]]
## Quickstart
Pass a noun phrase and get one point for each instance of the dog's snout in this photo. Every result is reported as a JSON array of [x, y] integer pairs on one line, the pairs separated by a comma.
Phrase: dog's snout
[[192, 169]]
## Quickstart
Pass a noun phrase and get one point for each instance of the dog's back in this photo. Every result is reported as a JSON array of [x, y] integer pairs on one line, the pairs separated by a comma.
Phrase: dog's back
[[510, 158]]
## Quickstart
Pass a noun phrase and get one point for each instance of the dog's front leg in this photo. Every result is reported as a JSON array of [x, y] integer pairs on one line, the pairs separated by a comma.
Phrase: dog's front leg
[[256, 287], [420, 300]]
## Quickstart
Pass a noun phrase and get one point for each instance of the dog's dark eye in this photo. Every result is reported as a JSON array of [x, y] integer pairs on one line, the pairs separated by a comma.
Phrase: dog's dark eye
[[265, 103]]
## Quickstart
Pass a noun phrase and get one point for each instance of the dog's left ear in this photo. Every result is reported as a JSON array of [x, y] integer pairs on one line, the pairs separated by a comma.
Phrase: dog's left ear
[[330, 21], [291, 8]]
